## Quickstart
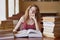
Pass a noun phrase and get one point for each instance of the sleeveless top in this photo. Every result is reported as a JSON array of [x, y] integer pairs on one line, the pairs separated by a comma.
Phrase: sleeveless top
[[26, 26]]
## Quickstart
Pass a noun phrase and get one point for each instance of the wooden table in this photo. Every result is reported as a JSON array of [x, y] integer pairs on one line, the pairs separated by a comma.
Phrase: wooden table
[[32, 39]]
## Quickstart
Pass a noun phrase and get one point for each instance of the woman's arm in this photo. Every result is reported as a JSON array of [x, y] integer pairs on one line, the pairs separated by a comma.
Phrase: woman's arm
[[36, 23], [18, 24]]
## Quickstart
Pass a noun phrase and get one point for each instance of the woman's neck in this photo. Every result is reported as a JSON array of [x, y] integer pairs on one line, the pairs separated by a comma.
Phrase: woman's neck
[[30, 18], [30, 21]]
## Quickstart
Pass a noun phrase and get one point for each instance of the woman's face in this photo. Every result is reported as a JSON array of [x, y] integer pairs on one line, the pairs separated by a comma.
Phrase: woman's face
[[32, 12]]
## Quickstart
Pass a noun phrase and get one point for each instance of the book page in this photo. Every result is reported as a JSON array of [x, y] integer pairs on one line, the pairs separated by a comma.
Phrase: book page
[[22, 33], [31, 31], [34, 33]]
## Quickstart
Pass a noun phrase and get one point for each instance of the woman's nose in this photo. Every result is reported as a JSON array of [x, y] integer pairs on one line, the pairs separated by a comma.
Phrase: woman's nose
[[33, 12]]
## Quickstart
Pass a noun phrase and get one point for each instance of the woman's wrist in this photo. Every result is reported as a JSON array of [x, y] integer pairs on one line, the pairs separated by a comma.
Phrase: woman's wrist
[[14, 31], [34, 18]]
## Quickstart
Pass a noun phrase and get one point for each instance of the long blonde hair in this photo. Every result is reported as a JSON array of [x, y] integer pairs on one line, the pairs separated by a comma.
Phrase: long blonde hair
[[27, 12]]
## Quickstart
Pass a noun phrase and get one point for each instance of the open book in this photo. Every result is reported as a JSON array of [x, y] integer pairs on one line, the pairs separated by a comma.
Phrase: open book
[[29, 33]]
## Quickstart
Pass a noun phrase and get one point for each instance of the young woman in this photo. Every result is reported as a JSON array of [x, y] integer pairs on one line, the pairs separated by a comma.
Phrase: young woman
[[30, 20]]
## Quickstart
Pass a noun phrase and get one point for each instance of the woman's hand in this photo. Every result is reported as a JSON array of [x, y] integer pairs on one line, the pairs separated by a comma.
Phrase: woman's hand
[[36, 24], [14, 31], [33, 18]]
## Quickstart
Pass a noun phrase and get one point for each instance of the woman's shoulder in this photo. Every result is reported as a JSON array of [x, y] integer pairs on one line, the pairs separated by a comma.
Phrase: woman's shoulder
[[22, 18]]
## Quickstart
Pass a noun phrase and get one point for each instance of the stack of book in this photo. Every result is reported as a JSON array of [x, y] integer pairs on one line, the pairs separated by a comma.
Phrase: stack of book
[[48, 26]]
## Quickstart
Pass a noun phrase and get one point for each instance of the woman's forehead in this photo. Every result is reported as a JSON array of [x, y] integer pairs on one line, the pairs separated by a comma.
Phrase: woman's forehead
[[33, 8]]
